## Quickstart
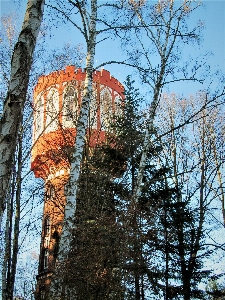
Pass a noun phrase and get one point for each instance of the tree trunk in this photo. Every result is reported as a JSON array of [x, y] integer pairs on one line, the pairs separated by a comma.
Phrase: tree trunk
[[16, 95], [7, 246], [15, 245], [12, 236], [76, 158], [71, 191], [219, 166], [147, 141]]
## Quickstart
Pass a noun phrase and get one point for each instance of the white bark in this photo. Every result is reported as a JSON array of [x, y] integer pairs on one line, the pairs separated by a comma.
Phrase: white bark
[[146, 146], [165, 42], [76, 158], [12, 236], [16, 95], [71, 190]]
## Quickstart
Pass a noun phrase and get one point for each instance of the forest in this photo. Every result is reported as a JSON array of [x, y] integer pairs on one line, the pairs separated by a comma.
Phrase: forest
[[141, 214]]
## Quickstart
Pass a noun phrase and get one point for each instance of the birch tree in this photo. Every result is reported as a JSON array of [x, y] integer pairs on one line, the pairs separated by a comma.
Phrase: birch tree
[[216, 131], [89, 32], [89, 20], [157, 53], [90, 36], [190, 153], [11, 226], [12, 234], [16, 95]]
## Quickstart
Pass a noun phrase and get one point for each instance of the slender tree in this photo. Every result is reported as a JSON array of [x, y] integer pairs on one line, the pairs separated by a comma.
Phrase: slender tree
[[16, 222], [193, 173], [89, 31], [16, 95], [76, 157], [161, 33]]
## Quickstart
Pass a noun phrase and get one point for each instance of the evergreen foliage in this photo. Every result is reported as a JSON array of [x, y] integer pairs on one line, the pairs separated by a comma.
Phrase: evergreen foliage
[[124, 251]]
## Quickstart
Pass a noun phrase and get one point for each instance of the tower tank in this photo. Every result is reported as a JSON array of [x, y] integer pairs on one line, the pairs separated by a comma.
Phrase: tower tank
[[57, 101]]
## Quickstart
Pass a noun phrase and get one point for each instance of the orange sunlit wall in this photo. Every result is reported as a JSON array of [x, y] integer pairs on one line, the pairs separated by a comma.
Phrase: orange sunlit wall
[[54, 129]]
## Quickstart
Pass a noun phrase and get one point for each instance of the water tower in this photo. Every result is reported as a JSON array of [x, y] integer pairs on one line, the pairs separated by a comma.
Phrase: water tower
[[57, 102]]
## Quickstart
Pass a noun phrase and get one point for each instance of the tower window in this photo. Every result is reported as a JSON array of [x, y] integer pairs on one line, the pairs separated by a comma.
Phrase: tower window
[[46, 244], [50, 192], [93, 111], [39, 112], [46, 254], [38, 115], [47, 226], [106, 109], [70, 105], [52, 110], [118, 106]]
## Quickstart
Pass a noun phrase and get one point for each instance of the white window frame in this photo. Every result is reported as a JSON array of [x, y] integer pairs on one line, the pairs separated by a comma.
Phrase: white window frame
[[105, 108], [46, 257], [47, 226], [52, 110], [117, 105], [39, 115], [73, 99], [93, 111]]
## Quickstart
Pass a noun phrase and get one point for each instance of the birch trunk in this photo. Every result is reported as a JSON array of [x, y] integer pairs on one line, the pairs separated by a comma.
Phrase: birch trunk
[[7, 248], [165, 41], [165, 53], [219, 166], [15, 242], [56, 289], [76, 158], [12, 236], [146, 145], [16, 95]]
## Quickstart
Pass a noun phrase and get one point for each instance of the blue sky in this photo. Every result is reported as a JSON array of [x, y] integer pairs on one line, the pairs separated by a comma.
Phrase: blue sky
[[212, 14]]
